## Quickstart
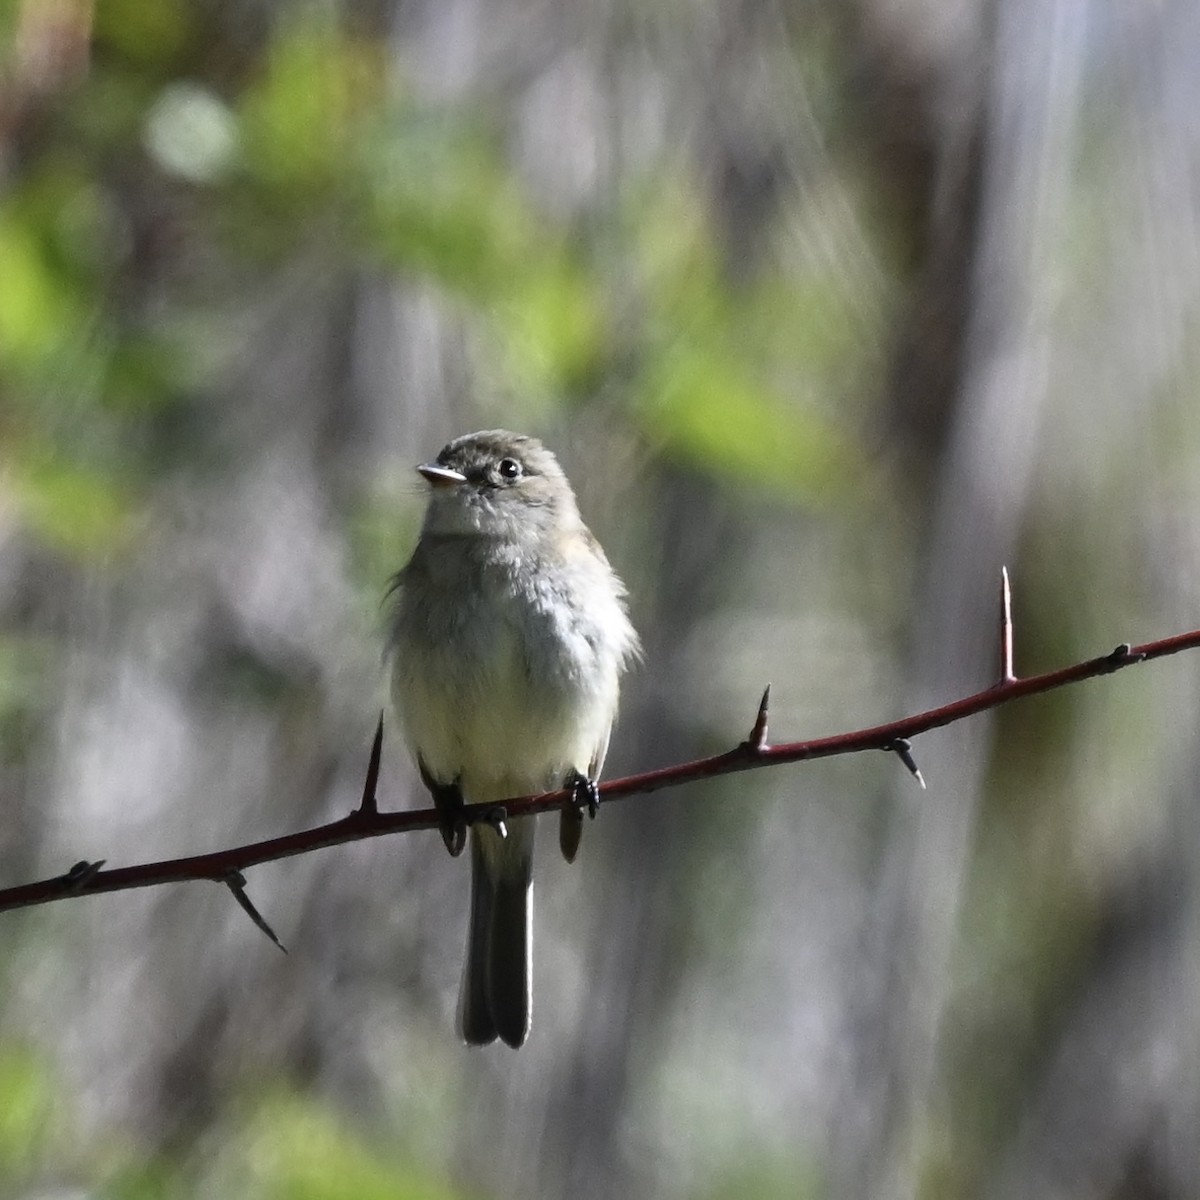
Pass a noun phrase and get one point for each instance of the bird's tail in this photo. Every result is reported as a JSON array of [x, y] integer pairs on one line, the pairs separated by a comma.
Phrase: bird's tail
[[495, 997]]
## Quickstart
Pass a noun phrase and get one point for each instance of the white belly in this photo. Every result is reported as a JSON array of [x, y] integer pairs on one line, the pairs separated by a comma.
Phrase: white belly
[[499, 716]]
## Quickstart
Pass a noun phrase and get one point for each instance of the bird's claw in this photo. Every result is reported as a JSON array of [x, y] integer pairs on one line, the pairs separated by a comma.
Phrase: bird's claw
[[448, 800], [585, 793], [454, 833]]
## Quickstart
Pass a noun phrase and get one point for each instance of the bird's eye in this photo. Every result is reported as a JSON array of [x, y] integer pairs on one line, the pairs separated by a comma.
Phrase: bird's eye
[[510, 468]]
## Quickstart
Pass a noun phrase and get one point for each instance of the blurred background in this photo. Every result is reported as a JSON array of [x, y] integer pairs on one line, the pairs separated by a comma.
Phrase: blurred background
[[830, 309]]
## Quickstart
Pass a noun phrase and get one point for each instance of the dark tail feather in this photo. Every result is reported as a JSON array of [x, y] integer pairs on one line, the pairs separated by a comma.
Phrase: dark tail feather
[[509, 961], [494, 999], [474, 1012]]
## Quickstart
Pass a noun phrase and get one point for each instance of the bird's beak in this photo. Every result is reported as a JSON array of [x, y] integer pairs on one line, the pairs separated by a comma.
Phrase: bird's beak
[[440, 476]]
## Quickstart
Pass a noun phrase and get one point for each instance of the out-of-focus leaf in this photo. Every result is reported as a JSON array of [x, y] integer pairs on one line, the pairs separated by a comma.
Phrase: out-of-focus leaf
[[50, 351], [710, 408], [439, 202], [294, 1151], [74, 507], [142, 376], [34, 305], [301, 120], [767, 1180], [27, 1105], [741, 379], [148, 34], [552, 327], [382, 530], [140, 1180]]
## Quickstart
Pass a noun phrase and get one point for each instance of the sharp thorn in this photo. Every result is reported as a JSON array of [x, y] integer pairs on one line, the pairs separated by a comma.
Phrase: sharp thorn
[[81, 874], [369, 802], [235, 881], [758, 733], [902, 748], [1123, 655], [1007, 675]]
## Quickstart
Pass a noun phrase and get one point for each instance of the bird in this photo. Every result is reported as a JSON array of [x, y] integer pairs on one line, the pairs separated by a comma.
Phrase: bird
[[508, 635]]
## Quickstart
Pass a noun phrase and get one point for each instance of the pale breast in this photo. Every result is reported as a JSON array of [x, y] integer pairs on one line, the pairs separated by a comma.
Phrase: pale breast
[[506, 680]]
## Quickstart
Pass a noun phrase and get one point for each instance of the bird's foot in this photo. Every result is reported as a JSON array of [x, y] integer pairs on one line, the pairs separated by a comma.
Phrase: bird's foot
[[448, 800], [585, 793]]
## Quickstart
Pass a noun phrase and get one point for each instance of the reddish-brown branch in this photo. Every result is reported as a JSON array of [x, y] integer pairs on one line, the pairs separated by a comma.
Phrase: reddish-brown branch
[[86, 879]]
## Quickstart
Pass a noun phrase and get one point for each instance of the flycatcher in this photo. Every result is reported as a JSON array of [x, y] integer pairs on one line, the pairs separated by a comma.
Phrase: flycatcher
[[509, 635]]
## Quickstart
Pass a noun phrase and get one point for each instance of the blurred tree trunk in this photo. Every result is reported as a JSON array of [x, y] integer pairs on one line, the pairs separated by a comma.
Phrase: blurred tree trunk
[[968, 389]]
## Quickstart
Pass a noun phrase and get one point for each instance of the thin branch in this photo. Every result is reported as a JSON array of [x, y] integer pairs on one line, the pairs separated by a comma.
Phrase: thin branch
[[86, 879]]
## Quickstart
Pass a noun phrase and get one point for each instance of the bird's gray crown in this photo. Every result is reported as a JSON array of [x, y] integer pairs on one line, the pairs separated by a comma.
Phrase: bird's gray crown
[[475, 454], [499, 484]]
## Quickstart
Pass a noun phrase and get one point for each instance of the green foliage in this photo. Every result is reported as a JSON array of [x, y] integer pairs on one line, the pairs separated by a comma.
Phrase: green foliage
[[290, 1149], [744, 381], [140, 1179], [152, 38], [46, 284], [282, 1148], [27, 1110], [61, 453], [381, 532], [69, 505], [740, 379], [320, 146], [767, 1179], [303, 118]]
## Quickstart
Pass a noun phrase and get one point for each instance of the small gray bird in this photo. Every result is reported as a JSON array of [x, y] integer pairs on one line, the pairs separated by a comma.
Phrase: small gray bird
[[509, 636]]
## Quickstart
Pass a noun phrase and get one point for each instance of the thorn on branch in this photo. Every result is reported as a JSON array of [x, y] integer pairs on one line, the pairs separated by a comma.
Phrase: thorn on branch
[[1123, 656], [88, 878], [369, 803], [902, 749], [81, 874], [235, 881], [757, 741], [1007, 674]]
